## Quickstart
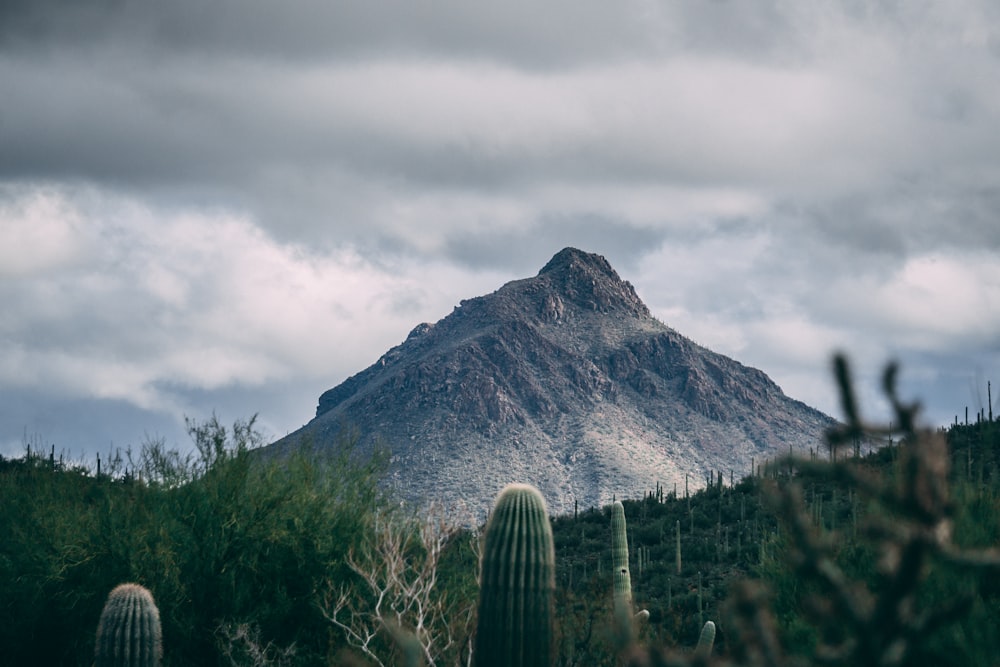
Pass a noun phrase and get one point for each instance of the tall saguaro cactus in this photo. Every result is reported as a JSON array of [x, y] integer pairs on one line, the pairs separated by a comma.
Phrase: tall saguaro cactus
[[517, 583], [678, 549], [619, 555], [129, 634]]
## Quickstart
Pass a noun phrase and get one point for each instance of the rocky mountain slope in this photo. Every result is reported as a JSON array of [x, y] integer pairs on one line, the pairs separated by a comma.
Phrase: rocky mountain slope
[[565, 381]]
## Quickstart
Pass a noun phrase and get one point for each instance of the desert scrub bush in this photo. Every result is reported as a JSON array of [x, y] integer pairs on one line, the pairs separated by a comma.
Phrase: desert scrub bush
[[223, 536], [260, 537]]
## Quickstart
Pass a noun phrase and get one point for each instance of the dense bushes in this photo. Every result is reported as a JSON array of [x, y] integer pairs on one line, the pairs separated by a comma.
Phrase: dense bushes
[[222, 538]]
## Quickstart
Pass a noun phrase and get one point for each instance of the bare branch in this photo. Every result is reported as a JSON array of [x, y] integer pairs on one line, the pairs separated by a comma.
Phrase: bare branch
[[398, 572]]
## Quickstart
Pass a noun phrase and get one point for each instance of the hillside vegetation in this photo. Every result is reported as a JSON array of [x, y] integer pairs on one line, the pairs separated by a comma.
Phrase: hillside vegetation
[[887, 558], [225, 545], [730, 534]]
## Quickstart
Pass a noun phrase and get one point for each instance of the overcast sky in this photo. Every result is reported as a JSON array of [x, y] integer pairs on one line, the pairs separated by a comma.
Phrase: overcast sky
[[233, 206]]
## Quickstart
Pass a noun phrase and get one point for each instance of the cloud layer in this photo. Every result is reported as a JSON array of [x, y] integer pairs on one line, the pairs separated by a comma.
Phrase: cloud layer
[[236, 206]]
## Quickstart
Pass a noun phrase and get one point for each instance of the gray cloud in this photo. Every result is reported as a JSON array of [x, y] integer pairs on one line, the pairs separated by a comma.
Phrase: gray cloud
[[527, 250], [557, 33], [340, 137], [203, 202]]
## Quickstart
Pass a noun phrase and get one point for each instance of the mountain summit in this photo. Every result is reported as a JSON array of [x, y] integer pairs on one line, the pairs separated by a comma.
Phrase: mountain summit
[[564, 381]]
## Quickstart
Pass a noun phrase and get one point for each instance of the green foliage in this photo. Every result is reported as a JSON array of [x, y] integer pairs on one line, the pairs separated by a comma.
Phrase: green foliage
[[585, 571], [517, 582], [220, 537], [893, 531], [887, 558], [901, 584], [129, 632]]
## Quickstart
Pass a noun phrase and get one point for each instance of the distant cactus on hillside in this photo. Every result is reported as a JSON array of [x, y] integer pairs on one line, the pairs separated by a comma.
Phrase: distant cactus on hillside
[[619, 555], [706, 641]]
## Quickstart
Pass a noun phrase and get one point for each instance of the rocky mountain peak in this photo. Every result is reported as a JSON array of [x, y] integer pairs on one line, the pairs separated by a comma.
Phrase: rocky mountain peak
[[589, 281], [563, 380], [574, 261]]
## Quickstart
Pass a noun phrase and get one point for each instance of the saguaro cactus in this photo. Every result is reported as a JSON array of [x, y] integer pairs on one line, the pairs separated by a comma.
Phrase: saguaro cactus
[[128, 634], [517, 583], [706, 641], [619, 555], [678, 549]]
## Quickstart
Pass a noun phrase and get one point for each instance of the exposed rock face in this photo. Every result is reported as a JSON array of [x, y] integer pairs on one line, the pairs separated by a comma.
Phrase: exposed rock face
[[564, 381]]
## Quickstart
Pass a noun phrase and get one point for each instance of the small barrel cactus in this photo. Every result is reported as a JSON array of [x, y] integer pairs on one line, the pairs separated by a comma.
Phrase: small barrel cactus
[[517, 583], [129, 634], [619, 555]]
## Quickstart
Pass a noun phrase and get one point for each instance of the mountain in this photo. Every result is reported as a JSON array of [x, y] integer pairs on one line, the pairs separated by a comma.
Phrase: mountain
[[565, 381]]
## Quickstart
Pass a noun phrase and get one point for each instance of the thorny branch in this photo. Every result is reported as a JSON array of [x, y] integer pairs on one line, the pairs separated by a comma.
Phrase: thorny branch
[[914, 528]]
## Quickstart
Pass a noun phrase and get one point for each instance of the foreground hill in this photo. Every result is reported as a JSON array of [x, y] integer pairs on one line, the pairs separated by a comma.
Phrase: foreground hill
[[564, 381]]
